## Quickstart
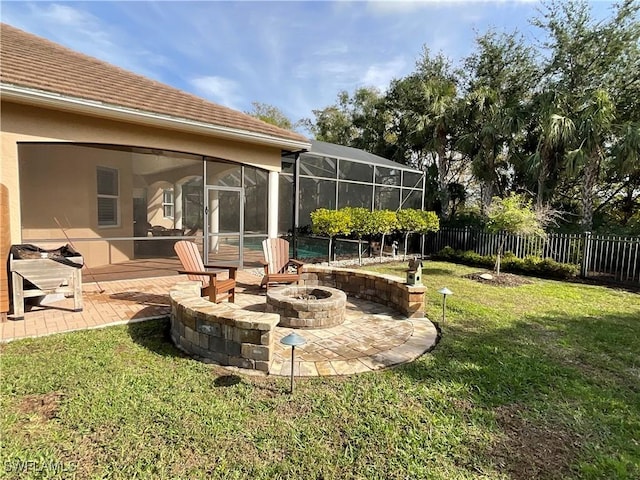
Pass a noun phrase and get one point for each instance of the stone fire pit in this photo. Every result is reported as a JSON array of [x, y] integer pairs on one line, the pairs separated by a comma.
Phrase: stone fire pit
[[307, 307]]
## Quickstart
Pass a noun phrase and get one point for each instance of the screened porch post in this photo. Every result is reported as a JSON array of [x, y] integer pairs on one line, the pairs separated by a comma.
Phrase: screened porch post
[[177, 205], [272, 220]]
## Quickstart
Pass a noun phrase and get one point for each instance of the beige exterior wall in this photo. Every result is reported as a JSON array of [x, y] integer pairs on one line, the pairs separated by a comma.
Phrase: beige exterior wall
[[66, 194]]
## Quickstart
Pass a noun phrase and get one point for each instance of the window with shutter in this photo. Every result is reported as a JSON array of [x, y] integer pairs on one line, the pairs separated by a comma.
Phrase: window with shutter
[[108, 196]]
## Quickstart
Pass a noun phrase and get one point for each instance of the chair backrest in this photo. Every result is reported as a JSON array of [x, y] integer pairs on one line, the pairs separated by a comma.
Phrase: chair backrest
[[276, 254], [191, 260]]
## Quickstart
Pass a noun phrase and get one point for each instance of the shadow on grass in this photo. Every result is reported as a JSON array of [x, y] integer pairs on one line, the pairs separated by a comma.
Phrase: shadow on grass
[[563, 391], [427, 270], [154, 335], [227, 380]]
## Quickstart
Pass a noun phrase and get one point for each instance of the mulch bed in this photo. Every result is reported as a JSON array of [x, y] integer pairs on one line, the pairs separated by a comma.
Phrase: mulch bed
[[502, 280]]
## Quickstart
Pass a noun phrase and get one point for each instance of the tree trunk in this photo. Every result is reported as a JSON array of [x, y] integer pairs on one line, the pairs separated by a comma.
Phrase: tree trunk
[[381, 247], [542, 180], [589, 179], [486, 193], [499, 257], [406, 238], [360, 251], [442, 179]]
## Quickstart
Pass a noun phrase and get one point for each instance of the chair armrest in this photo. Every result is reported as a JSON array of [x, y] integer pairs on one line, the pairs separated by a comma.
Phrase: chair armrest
[[233, 271], [296, 263], [265, 264], [197, 272]]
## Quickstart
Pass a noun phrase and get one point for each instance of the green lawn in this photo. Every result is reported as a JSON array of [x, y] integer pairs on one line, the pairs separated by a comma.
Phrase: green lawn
[[536, 381]]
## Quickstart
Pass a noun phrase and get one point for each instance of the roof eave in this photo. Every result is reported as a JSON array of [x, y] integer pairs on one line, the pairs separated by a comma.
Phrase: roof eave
[[42, 98]]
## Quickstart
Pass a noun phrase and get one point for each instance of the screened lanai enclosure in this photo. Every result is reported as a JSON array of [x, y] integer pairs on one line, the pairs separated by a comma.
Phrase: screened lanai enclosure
[[332, 176], [126, 207]]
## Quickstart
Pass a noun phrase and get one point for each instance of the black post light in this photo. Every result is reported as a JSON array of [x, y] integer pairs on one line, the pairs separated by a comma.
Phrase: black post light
[[444, 291], [293, 340]]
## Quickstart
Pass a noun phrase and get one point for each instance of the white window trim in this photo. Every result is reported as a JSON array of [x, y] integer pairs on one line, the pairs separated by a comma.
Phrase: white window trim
[[102, 195], [172, 204]]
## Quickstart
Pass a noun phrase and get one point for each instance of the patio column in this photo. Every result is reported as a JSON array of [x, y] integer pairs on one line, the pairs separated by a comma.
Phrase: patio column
[[272, 218], [177, 205]]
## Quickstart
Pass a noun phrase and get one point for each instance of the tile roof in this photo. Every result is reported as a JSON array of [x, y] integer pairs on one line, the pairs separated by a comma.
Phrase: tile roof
[[36, 63]]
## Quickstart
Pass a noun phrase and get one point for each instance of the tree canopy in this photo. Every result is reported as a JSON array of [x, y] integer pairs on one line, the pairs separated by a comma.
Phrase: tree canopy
[[559, 120]]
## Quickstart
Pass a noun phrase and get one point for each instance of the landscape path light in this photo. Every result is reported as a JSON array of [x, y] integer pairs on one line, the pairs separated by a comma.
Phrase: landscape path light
[[444, 291], [293, 340]]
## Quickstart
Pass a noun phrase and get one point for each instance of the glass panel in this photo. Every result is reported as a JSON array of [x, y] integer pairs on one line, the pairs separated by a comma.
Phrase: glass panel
[[288, 167], [193, 207], [387, 176], [224, 174], [107, 181], [315, 194], [412, 180], [224, 250], [387, 198], [136, 176], [359, 172], [285, 204], [256, 191], [354, 195], [252, 251], [168, 211], [318, 166], [412, 199], [225, 210]]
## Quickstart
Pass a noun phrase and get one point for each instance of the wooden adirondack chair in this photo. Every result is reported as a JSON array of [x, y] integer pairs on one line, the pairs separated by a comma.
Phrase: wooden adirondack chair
[[217, 290], [276, 262]]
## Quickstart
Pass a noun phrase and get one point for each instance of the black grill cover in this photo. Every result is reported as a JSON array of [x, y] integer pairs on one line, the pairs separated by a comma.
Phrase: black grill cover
[[61, 254]]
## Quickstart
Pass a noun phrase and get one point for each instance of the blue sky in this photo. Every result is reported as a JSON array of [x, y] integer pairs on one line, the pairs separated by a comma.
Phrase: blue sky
[[294, 55]]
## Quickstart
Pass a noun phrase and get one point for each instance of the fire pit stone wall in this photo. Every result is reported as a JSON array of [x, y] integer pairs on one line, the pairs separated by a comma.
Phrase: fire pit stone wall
[[386, 289], [307, 307], [224, 333]]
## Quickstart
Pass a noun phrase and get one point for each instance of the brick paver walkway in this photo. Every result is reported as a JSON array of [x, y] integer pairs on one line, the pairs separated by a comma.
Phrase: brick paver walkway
[[372, 337]]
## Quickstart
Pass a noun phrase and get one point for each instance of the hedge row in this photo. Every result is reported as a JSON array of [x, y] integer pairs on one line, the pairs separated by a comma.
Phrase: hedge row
[[530, 265]]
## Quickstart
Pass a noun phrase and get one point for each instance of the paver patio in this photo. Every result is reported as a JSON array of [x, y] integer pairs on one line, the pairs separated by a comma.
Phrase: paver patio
[[373, 336]]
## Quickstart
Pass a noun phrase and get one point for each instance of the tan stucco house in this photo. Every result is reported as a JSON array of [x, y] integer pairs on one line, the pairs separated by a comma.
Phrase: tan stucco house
[[120, 163]]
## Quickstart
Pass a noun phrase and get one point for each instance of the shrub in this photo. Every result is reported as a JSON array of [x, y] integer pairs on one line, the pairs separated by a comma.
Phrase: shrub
[[543, 267], [331, 223]]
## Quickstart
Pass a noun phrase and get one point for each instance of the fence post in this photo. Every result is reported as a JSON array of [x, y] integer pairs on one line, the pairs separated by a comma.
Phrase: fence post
[[466, 238], [586, 255]]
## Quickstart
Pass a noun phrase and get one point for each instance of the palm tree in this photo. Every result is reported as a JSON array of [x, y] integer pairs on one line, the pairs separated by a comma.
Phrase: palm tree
[[554, 131], [481, 140], [424, 104], [431, 126], [594, 124]]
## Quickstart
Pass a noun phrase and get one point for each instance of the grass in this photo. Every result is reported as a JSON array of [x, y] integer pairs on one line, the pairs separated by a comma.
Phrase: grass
[[536, 381]]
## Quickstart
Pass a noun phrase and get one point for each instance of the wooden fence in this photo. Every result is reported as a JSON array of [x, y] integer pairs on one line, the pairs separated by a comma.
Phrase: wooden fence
[[611, 258]]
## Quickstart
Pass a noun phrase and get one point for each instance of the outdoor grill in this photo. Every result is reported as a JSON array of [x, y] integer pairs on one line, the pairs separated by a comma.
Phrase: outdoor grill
[[36, 272]]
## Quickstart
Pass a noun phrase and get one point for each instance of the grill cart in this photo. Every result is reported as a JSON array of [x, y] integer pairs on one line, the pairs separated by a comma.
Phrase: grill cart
[[36, 272]]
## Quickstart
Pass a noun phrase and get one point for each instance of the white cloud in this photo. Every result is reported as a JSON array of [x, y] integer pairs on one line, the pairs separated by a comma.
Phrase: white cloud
[[330, 49], [218, 89], [327, 68], [379, 75], [66, 15], [403, 7]]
